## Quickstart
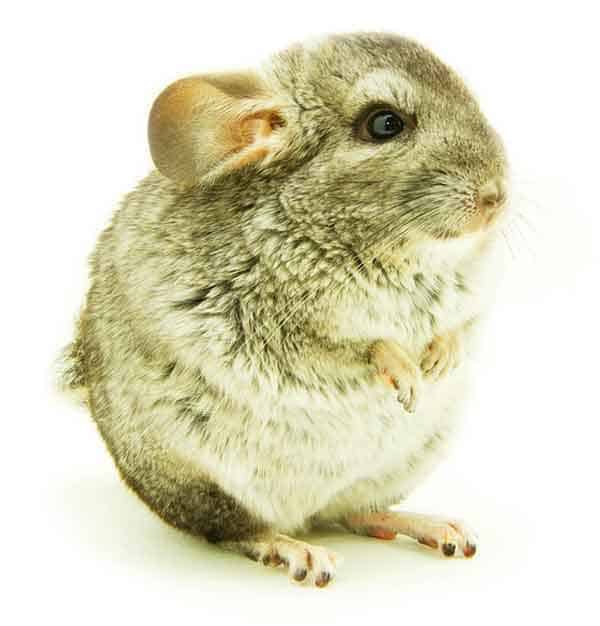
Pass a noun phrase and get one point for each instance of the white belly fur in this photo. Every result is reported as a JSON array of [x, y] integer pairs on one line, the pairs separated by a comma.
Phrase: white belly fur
[[305, 454], [298, 461]]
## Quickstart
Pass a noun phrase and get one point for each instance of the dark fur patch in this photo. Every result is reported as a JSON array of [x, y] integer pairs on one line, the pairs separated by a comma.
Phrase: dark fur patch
[[169, 369], [238, 328], [382, 277], [434, 294], [194, 418], [360, 266], [193, 301], [199, 507]]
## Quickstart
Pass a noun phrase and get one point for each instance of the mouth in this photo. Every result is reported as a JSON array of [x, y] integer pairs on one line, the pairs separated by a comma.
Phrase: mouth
[[474, 212], [489, 204], [479, 222], [483, 220]]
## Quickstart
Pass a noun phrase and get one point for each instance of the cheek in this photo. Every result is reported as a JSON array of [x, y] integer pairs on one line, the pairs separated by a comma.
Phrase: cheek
[[354, 154]]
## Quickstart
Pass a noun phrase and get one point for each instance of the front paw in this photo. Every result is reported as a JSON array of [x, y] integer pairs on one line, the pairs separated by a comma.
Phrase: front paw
[[398, 370], [442, 355]]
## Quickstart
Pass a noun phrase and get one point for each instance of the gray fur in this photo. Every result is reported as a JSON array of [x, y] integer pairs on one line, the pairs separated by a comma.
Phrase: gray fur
[[207, 301]]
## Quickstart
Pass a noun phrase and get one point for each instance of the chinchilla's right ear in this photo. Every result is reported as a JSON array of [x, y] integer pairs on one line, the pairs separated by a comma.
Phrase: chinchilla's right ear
[[210, 124]]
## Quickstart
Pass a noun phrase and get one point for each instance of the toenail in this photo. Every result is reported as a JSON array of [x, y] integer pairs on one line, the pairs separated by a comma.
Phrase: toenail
[[470, 549], [300, 574], [323, 579], [449, 549]]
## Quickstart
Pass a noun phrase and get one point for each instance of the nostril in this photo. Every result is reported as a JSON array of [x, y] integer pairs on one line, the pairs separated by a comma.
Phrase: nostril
[[491, 195]]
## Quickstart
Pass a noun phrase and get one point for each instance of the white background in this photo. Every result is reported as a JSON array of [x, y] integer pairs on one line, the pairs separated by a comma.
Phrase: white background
[[77, 547]]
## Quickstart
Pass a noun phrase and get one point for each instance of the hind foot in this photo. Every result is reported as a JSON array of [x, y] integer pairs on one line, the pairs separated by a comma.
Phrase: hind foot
[[303, 561], [450, 537]]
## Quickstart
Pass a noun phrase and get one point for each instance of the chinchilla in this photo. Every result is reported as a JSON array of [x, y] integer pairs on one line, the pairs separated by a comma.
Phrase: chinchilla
[[278, 326]]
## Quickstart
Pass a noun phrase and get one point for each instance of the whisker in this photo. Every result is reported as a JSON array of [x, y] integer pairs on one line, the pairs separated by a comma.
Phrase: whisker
[[526, 221], [524, 239], [504, 236]]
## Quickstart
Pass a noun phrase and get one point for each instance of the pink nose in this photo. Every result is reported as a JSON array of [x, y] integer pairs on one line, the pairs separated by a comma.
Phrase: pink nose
[[491, 195]]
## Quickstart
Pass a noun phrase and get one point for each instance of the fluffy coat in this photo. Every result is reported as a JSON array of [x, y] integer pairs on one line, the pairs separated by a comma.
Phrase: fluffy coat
[[226, 346]]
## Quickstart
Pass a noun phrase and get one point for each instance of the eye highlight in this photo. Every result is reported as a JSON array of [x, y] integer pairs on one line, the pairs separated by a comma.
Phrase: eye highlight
[[381, 125]]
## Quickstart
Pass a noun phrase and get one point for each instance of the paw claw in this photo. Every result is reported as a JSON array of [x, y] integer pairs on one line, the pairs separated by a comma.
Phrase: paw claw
[[441, 356], [448, 549], [469, 550], [397, 370], [323, 579], [300, 574]]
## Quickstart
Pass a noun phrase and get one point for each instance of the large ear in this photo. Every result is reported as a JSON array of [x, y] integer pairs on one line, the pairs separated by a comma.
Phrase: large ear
[[207, 124]]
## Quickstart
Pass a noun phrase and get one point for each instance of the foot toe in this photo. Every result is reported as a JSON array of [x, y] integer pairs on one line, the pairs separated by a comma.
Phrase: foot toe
[[448, 549], [469, 550], [299, 574]]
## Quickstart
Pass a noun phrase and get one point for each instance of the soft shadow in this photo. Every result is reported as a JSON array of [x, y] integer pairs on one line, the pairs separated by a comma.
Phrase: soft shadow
[[108, 520]]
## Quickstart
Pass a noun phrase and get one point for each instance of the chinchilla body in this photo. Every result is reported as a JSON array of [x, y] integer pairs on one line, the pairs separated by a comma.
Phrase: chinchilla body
[[225, 348]]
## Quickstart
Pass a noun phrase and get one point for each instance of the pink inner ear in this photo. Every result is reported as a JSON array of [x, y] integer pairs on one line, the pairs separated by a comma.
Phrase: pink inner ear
[[255, 128], [260, 125], [194, 127], [252, 156]]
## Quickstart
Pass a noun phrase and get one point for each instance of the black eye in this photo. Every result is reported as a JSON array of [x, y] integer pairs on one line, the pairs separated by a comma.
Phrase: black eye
[[383, 125]]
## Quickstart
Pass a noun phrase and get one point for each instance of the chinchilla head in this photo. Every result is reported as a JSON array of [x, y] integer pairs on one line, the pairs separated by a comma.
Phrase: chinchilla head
[[364, 139]]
